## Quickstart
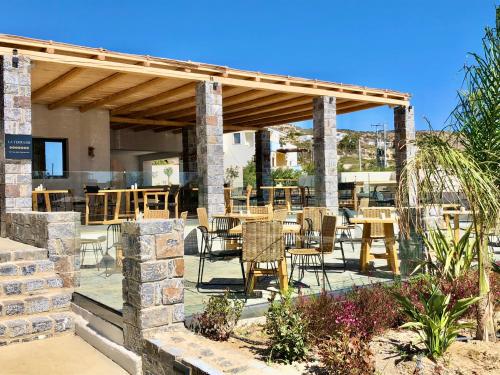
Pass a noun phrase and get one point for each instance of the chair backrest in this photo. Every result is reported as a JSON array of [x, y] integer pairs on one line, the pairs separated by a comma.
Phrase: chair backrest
[[263, 241], [280, 215], [262, 210], [156, 205], [328, 233], [228, 202], [314, 215], [113, 236], [203, 217], [377, 229], [184, 216], [364, 202]]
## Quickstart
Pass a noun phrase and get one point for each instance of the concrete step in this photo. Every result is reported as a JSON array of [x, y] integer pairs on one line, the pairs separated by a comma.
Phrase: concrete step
[[29, 285], [25, 268], [12, 251], [22, 305], [35, 327]]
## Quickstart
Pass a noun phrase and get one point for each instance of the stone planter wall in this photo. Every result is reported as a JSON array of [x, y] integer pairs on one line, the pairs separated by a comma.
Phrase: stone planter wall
[[58, 232], [153, 284]]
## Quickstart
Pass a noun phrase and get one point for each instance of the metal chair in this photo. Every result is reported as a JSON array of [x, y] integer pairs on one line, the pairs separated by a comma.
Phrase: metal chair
[[94, 245]]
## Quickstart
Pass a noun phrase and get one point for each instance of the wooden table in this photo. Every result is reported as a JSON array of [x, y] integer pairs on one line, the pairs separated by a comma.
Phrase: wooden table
[[46, 195], [390, 242], [287, 229], [456, 221], [242, 216], [117, 216], [288, 197]]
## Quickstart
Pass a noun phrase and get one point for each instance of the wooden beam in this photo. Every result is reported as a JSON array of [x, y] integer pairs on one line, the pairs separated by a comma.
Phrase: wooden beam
[[284, 121], [78, 94], [119, 95], [144, 121], [243, 96], [278, 112], [255, 103], [166, 107], [285, 118], [55, 83], [155, 98], [361, 106], [269, 107]]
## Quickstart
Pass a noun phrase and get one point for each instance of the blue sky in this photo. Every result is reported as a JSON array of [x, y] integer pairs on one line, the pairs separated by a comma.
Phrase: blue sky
[[411, 46]]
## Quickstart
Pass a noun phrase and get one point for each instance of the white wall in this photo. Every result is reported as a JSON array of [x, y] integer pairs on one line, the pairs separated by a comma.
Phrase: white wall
[[82, 130]]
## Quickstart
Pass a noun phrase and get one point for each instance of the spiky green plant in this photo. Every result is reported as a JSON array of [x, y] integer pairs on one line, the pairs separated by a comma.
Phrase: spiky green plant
[[467, 162]]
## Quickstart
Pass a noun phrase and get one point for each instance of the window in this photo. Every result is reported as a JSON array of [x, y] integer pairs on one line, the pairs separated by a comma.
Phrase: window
[[50, 158], [237, 138]]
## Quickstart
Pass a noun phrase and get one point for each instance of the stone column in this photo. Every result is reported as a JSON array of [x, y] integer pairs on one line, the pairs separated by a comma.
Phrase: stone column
[[325, 152], [15, 118], [263, 163], [209, 135], [404, 144], [153, 284], [189, 153]]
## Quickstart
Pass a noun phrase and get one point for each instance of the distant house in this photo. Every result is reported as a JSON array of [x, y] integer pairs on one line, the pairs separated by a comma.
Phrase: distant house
[[239, 149]]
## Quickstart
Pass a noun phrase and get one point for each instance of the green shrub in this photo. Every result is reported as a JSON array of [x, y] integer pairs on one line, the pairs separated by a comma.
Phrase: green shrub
[[343, 354], [218, 320], [435, 322], [285, 173], [286, 330]]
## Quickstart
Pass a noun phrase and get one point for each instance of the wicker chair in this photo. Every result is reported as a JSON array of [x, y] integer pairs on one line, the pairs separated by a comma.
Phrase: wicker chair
[[280, 215], [156, 205], [244, 200], [377, 230], [262, 243], [263, 210], [314, 256]]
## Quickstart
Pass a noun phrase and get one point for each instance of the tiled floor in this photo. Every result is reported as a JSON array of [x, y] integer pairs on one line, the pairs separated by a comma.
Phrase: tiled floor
[[106, 288]]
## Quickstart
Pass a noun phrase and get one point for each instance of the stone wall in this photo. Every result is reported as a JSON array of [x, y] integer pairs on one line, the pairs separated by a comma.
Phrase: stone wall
[[58, 232], [325, 152], [210, 150], [15, 118], [153, 284]]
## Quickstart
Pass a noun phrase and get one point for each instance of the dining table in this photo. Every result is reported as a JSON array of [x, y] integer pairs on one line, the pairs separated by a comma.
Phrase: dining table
[[118, 216], [390, 242]]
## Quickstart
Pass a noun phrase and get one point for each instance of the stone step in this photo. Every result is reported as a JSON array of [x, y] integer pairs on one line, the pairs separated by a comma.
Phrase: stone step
[[29, 285], [35, 327], [12, 251], [25, 268], [22, 305]]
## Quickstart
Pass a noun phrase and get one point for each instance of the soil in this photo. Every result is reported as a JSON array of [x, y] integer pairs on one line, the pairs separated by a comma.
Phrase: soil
[[392, 352]]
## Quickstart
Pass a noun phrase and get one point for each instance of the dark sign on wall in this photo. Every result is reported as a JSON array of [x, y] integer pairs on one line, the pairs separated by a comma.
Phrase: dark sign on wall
[[18, 146]]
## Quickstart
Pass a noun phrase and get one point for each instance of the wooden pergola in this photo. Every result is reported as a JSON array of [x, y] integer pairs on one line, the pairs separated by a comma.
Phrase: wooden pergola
[[150, 93]]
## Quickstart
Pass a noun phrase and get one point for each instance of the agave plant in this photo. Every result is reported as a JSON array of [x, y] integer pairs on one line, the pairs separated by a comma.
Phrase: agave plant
[[452, 259], [438, 324]]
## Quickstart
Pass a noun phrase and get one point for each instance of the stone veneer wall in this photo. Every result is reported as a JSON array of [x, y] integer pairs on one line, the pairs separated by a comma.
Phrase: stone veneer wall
[[325, 152], [58, 232], [15, 118], [209, 136], [153, 284]]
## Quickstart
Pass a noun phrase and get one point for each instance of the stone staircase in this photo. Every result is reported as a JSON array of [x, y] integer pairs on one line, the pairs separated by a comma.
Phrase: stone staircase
[[33, 302]]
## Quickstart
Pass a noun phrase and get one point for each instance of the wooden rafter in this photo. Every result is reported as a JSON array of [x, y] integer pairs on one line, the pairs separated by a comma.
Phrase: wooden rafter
[[120, 94], [80, 93], [285, 118], [166, 107], [278, 112], [55, 83], [269, 107], [143, 121], [268, 99], [155, 98]]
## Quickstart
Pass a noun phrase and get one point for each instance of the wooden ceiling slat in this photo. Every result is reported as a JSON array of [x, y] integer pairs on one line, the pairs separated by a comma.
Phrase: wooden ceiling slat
[[165, 107], [278, 112], [155, 98], [269, 108], [80, 93], [120, 94], [56, 82], [285, 117]]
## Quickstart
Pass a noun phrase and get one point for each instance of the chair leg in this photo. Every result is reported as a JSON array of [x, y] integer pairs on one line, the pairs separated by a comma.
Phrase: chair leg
[[243, 273], [292, 267], [322, 263], [94, 249], [315, 270], [343, 256]]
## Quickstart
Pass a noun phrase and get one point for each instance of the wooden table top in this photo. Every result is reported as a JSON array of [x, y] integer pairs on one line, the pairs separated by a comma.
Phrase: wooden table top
[[241, 216], [372, 220], [287, 229], [104, 191], [50, 191]]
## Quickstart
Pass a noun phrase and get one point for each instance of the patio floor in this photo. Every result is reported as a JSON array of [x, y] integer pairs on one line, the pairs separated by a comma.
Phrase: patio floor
[[108, 290]]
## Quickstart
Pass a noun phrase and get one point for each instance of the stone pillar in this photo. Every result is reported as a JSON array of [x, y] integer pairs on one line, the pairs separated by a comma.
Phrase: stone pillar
[[209, 135], [325, 152], [153, 285], [263, 163], [404, 144], [189, 153], [58, 232], [15, 118]]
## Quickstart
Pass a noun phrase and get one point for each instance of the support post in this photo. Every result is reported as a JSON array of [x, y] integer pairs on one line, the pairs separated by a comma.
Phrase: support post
[[325, 152], [15, 119], [209, 135], [263, 163]]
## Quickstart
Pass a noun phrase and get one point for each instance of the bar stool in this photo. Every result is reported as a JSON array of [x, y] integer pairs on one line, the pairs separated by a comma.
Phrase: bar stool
[[92, 245]]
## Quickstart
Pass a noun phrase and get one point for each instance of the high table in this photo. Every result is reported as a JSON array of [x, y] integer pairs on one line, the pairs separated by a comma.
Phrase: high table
[[456, 221], [46, 195], [117, 216], [390, 242]]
